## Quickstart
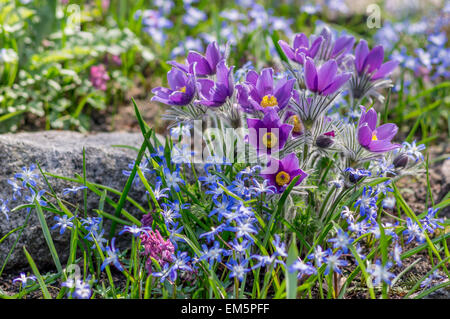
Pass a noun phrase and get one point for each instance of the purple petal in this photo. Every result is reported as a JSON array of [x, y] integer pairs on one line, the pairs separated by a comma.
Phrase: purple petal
[[213, 55], [264, 84], [364, 135], [338, 81], [202, 66], [386, 131], [310, 75], [287, 49], [385, 69], [326, 74], [301, 40], [381, 146], [374, 59], [361, 52]]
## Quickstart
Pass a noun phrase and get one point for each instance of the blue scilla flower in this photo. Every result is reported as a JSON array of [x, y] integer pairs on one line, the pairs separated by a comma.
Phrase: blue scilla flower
[[279, 246], [163, 274], [180, 262], [36, 197], [174, 230], [342, 240], [16, 188], [73, 190], [264, 187], [173, 179], [244, 228], [413, 231], [181, 131], [160, 152], [97, 238], [382, 167], [264, 261], [223, 207], [384, 188], [333, 262], [239, 187], [169, 214], [413, 150], [212, 254], [430, 222], [209, 179], [304, 269], [359, 228], [158, 191], [63, 223], [428, 282], [91, 223], [210, 236], [318, 255], [396, 254], [28, 176], [215, 190], [112, 257], [24, 279], [237, 268], [380, 273], [4, 208], [143, 166], [135, 230], [367, 201], [177, 206], [359, 251], [182, 155], [240, 248]]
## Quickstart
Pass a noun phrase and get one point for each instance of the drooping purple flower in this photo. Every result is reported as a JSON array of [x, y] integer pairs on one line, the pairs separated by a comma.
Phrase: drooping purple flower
[[377, 140], [201, 65], [324, 80], [214, 94], [301, 48], [269, 134], [181, 92], [281, 173], [371, 62], [259, 93]]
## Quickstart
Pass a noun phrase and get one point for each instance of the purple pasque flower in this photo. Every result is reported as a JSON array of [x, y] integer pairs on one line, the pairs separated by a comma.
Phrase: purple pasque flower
[[258, 93], [201, 65], [337, 49], [281, 173], [301, 48], [371, 62], [214, 94], [207, 64], [377, 140], [269, 134], [324, 80], [182, 89]]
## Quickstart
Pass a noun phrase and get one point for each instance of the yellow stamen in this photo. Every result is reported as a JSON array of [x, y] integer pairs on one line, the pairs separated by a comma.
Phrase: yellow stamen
[[269, 101], [295, 121], [282, 178], [269, 140], [183, 89], [374, 137]]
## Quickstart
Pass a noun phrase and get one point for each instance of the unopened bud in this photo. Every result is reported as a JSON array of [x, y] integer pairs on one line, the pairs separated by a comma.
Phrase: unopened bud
[[324, 141], [401, 161]]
